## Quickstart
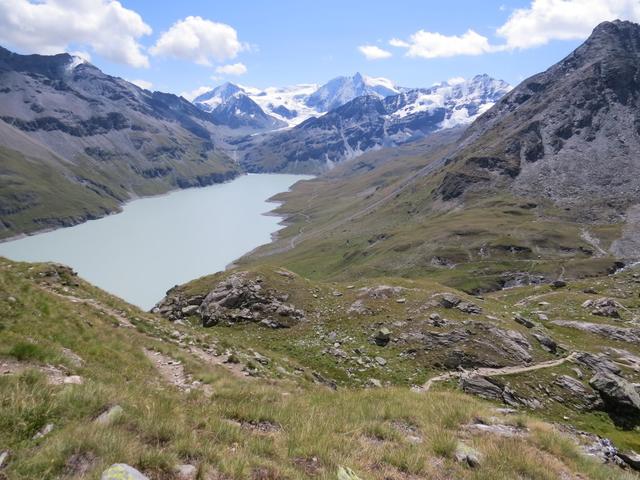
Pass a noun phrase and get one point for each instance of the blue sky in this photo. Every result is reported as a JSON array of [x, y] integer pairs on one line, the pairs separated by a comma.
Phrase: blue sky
[[283, 42]]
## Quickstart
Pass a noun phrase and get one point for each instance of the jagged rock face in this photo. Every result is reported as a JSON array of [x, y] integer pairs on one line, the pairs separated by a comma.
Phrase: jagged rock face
[[237, 299], [571, 133]]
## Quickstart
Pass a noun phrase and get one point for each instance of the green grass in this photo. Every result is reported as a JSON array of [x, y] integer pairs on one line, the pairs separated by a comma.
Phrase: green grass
[[316, 429]]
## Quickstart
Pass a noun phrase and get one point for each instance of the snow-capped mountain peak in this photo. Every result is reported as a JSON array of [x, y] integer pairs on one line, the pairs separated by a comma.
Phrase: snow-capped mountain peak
[[340, 90]]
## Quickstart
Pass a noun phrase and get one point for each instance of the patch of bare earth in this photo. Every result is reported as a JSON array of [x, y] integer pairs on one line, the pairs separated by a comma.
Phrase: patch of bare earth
[[55, 375]]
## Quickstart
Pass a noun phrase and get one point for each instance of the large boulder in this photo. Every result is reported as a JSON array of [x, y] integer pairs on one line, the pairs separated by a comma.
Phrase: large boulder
[[619, 396], [239, 298]]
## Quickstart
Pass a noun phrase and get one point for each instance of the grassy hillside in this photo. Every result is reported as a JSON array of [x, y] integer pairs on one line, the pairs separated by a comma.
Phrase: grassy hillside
[[70, 352], [378, 215]]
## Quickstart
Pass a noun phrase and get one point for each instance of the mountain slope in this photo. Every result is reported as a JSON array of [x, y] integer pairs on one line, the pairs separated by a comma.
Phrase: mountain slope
[[89, 381], [371, 122], [104, 139], [534, 191], [570, 134]]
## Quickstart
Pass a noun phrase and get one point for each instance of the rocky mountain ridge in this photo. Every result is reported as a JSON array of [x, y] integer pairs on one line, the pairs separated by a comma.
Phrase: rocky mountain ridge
[[100, 139], [569, 134]]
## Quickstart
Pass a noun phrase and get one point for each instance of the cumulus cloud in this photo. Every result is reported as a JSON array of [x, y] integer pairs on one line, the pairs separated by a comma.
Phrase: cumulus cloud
[[546, 20], [199, 40], [232, 69], [372, 52], [436, 45], [142, 84], [539, 23], [195, 93], [51, 26]]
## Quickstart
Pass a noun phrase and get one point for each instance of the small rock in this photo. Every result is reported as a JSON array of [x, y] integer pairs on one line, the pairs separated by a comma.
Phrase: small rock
[[73, 380], [122, 471], [46, 430], [546, 342], [186, 472], [374, 382], [401, 300], [380, 361], [542, 317], [523, 321], [190, 310], [383, 337], [109, 416], [466, 455], [559, 284], [4, 456]]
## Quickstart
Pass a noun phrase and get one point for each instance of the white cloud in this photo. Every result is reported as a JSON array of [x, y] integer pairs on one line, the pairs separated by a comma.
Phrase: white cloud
[[436, 45], [232, 69], [142, 84], [51, 26], [195, 93], [546, 20], [86, 56], [199, 40], [372, 52], [456, 80]]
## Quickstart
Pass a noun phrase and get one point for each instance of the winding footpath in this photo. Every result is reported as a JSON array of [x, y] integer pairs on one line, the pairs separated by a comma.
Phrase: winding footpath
[[494, 372]]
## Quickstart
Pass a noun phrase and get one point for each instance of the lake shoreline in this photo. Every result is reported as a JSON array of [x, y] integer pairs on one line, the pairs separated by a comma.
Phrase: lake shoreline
[[162, 240]]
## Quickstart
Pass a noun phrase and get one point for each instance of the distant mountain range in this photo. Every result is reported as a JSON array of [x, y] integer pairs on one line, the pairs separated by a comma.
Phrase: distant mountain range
[[99, 140], [290, 106], [369, 122]]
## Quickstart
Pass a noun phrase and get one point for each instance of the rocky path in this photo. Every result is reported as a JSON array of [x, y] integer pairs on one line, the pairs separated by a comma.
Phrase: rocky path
[[174, 373], [97, 305], [494, 372], [222, 361]]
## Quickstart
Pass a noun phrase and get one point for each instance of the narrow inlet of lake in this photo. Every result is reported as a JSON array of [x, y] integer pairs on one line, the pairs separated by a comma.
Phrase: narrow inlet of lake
[[158, 242]]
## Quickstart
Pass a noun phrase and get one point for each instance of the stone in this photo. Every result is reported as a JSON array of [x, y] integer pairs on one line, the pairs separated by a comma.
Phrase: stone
[[73, 380], [189, 310], [381, 291], [4, 456], [572, 385], [359, 308], [546, 342], [186, 472], [523, 321], [617, 394], [122, 471], [468, 307], [44, 431], [382, 337], [559, 284], [374, 382], [623, 334], [597, 363], [109, 416], [630, 458], [482, 387], [605, 307], [401, 300], [448, 300], [380, 361], [468, 456]]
